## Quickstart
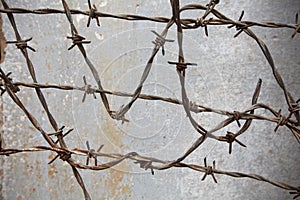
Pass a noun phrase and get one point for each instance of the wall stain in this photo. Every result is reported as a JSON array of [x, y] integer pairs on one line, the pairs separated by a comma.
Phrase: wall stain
[[2, 144], [52, 171], [117, 184], [3, 44]]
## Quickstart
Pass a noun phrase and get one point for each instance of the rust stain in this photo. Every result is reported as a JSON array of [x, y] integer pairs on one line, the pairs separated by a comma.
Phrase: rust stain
[[20, 198], [117, 185], [48, 66], [31, 128], [2, 42]]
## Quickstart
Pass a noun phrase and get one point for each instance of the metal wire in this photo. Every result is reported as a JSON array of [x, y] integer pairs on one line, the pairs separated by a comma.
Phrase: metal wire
[[291, 121]]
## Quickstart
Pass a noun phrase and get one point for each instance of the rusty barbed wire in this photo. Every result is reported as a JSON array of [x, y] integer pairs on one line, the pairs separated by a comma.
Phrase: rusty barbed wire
[[144, 162], [187, 23], [248, 114], [291, 121]]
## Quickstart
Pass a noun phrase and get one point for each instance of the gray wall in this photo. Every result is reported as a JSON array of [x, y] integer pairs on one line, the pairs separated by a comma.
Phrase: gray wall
[[227, 72]]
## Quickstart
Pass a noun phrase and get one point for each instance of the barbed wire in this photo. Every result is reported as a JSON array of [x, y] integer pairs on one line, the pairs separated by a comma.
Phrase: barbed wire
[[56, 140]]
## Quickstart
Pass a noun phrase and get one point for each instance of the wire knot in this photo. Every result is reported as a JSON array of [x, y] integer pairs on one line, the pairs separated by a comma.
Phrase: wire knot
[[92, 153], [87, 90], [209, 171], [239, 25], [236, 117], [230, 138], [92, 14], [65, 156], [8, 83], [59, 134], [160, 42], [201, 22], [181, 66], [282, 120], [22, 44], [77, 40]]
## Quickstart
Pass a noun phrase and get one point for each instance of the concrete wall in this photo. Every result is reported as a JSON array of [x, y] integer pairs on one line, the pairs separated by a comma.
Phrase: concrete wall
[[227, 72]]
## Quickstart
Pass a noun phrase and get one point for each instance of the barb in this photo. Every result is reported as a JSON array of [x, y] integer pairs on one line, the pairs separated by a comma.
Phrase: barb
[[194, 107], [10, 90], [187, 22], [87, 90], [120, 114], [92, 153], [22, 44], [209, 171], [92, 14], [231, 137], [160, 42], [78, 41], [148, 163]]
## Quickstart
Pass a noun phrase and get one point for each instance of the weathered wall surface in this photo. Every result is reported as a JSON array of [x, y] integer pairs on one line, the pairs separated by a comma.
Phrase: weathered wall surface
[[227, 72]]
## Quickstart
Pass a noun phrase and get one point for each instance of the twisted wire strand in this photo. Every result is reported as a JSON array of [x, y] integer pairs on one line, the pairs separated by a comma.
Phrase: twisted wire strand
[[147, 162]]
